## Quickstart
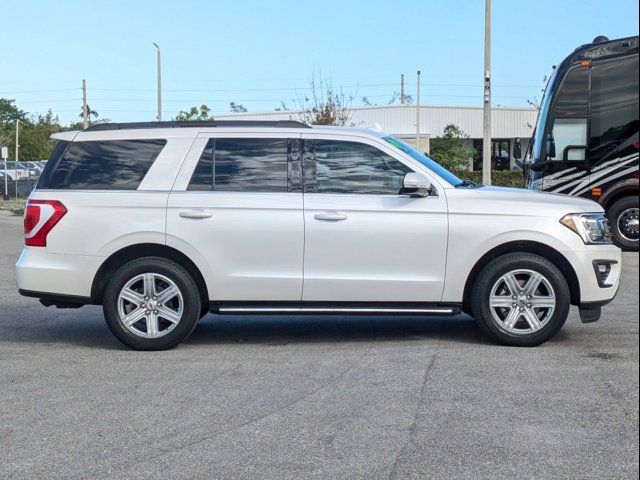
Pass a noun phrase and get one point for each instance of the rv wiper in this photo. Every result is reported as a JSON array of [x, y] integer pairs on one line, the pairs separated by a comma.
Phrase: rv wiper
[[466, 183]]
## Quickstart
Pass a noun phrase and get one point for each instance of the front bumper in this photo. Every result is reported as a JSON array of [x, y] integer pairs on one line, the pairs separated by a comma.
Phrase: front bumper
[[596, 291]]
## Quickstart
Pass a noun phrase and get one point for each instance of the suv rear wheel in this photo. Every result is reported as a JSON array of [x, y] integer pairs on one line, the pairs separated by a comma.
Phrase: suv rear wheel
[[151, 303], [520, 299]]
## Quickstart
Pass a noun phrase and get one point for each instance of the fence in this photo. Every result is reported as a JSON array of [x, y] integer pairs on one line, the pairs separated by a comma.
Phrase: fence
[[24, 188]]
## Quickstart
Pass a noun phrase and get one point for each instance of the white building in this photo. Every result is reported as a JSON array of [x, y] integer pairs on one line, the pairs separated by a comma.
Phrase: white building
[[508, 123]]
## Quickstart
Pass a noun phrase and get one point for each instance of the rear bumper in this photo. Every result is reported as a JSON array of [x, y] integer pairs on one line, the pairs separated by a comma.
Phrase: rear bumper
[[43, 274], [62, 301]]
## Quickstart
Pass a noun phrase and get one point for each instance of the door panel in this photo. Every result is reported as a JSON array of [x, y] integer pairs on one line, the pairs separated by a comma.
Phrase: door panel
[[251, 244], [366, 247]]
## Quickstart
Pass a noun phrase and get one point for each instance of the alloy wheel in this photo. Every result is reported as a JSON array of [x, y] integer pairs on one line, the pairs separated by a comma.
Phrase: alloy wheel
[[150, 305], [522, 302]]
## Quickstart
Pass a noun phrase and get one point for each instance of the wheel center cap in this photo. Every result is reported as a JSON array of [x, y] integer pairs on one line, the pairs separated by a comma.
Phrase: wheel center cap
[[151, 305], [521, 301]]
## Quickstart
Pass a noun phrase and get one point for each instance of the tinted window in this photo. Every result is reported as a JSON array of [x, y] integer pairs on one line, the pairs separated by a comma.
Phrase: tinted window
[[105, 165], [572, 111], [49, 166], [349, 167], [614, 103], [573, 99], [242, 165], [202, 178]]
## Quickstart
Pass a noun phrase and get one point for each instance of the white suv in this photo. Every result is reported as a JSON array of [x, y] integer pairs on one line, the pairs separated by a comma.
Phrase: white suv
[[163, 222]]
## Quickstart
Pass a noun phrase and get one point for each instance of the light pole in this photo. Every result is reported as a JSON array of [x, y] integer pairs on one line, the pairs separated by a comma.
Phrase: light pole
[[486, 135], [418, 112], [159, 117]]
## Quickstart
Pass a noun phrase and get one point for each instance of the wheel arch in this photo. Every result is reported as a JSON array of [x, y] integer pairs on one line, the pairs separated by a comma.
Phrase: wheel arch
[[626, 188], [545, 251], [131, 252]]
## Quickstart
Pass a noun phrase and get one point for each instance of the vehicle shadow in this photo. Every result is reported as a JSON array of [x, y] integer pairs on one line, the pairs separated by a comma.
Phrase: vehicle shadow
[[284, 330], [91, 331]]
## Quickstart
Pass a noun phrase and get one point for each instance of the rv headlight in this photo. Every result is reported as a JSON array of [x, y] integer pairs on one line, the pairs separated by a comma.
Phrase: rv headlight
[[593, 228]]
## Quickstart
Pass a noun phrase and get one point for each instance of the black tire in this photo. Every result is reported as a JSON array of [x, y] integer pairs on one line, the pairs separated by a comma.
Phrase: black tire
[[614, 213], [182, 280], [491, 274]]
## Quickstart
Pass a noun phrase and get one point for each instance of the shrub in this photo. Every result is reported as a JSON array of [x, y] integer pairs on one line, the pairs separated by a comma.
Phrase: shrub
[[500, 178]]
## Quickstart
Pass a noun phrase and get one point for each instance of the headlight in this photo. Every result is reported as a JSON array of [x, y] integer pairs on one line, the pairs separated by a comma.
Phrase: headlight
[[593, 228]]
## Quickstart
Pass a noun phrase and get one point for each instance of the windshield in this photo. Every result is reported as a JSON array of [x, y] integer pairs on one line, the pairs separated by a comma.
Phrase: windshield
[[545, 106], [424, 160]]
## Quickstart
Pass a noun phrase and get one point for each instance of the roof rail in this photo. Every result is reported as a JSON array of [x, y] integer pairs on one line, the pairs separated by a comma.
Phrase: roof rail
[[196, 124]]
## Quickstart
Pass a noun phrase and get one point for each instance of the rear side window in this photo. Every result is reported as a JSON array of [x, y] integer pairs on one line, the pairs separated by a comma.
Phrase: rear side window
[[104, 165], [242, 165]]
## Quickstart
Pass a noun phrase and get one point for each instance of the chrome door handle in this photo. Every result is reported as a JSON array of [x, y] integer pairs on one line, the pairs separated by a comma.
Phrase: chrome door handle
[[196, 214], [330, 216]]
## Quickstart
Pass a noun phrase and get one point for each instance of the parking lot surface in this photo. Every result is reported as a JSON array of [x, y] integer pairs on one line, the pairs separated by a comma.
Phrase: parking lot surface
[[314, 397]]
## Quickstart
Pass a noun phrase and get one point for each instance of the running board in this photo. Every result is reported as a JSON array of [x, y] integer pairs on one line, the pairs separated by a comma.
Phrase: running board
[[333, 309]]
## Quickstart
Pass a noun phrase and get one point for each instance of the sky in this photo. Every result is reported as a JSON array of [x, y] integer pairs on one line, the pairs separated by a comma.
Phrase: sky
[[261, 53]]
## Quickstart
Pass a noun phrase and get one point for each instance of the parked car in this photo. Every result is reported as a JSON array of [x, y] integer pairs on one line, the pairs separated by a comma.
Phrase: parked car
[[161, 223], [12, 170], [34, 167]]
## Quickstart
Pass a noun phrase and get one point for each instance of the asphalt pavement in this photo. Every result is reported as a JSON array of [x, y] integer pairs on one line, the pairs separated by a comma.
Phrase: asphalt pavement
[[314, 397]]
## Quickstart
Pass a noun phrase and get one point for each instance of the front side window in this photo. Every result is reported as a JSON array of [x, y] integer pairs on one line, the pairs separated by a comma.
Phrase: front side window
[[432, 165], [105, 165], [571, 114], [355, 168], [242, 165]]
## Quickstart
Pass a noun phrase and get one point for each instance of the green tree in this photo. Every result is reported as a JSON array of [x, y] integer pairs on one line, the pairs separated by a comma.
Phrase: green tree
[[35, 136], [9, 113], [451, 149], [195, 114]]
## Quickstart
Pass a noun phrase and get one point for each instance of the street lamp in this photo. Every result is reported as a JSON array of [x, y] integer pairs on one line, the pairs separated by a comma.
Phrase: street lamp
[[159, 117]]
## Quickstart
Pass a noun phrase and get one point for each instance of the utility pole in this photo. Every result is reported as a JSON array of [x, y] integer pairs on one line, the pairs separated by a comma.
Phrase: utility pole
[[418, 113], [486, 135], [85, 112], [402, 89], [159, 117], [17, 154]]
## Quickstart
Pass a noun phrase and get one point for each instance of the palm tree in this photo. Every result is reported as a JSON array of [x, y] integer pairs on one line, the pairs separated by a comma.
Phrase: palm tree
[[90, 113]]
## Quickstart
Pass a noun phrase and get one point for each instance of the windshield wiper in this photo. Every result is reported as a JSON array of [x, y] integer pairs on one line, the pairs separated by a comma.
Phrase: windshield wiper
[[466, 183]]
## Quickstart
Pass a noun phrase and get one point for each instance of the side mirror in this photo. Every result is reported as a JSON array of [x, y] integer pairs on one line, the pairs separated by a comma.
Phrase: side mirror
[[582, 151], [551, 146], [517, 149], [416, 185]]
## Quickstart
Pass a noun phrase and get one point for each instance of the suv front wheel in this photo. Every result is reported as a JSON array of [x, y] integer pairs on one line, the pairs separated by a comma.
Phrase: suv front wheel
[[151, 303], [520, 299]]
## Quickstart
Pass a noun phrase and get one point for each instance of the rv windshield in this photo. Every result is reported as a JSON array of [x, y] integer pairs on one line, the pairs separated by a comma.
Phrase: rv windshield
[[426, 161], [545, 106]]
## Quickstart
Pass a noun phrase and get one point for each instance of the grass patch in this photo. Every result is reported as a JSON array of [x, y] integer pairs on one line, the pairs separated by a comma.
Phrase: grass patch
[[15, 207]]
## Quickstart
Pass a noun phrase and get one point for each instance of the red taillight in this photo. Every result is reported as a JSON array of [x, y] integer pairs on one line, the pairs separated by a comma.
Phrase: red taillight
[[39, 219]]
